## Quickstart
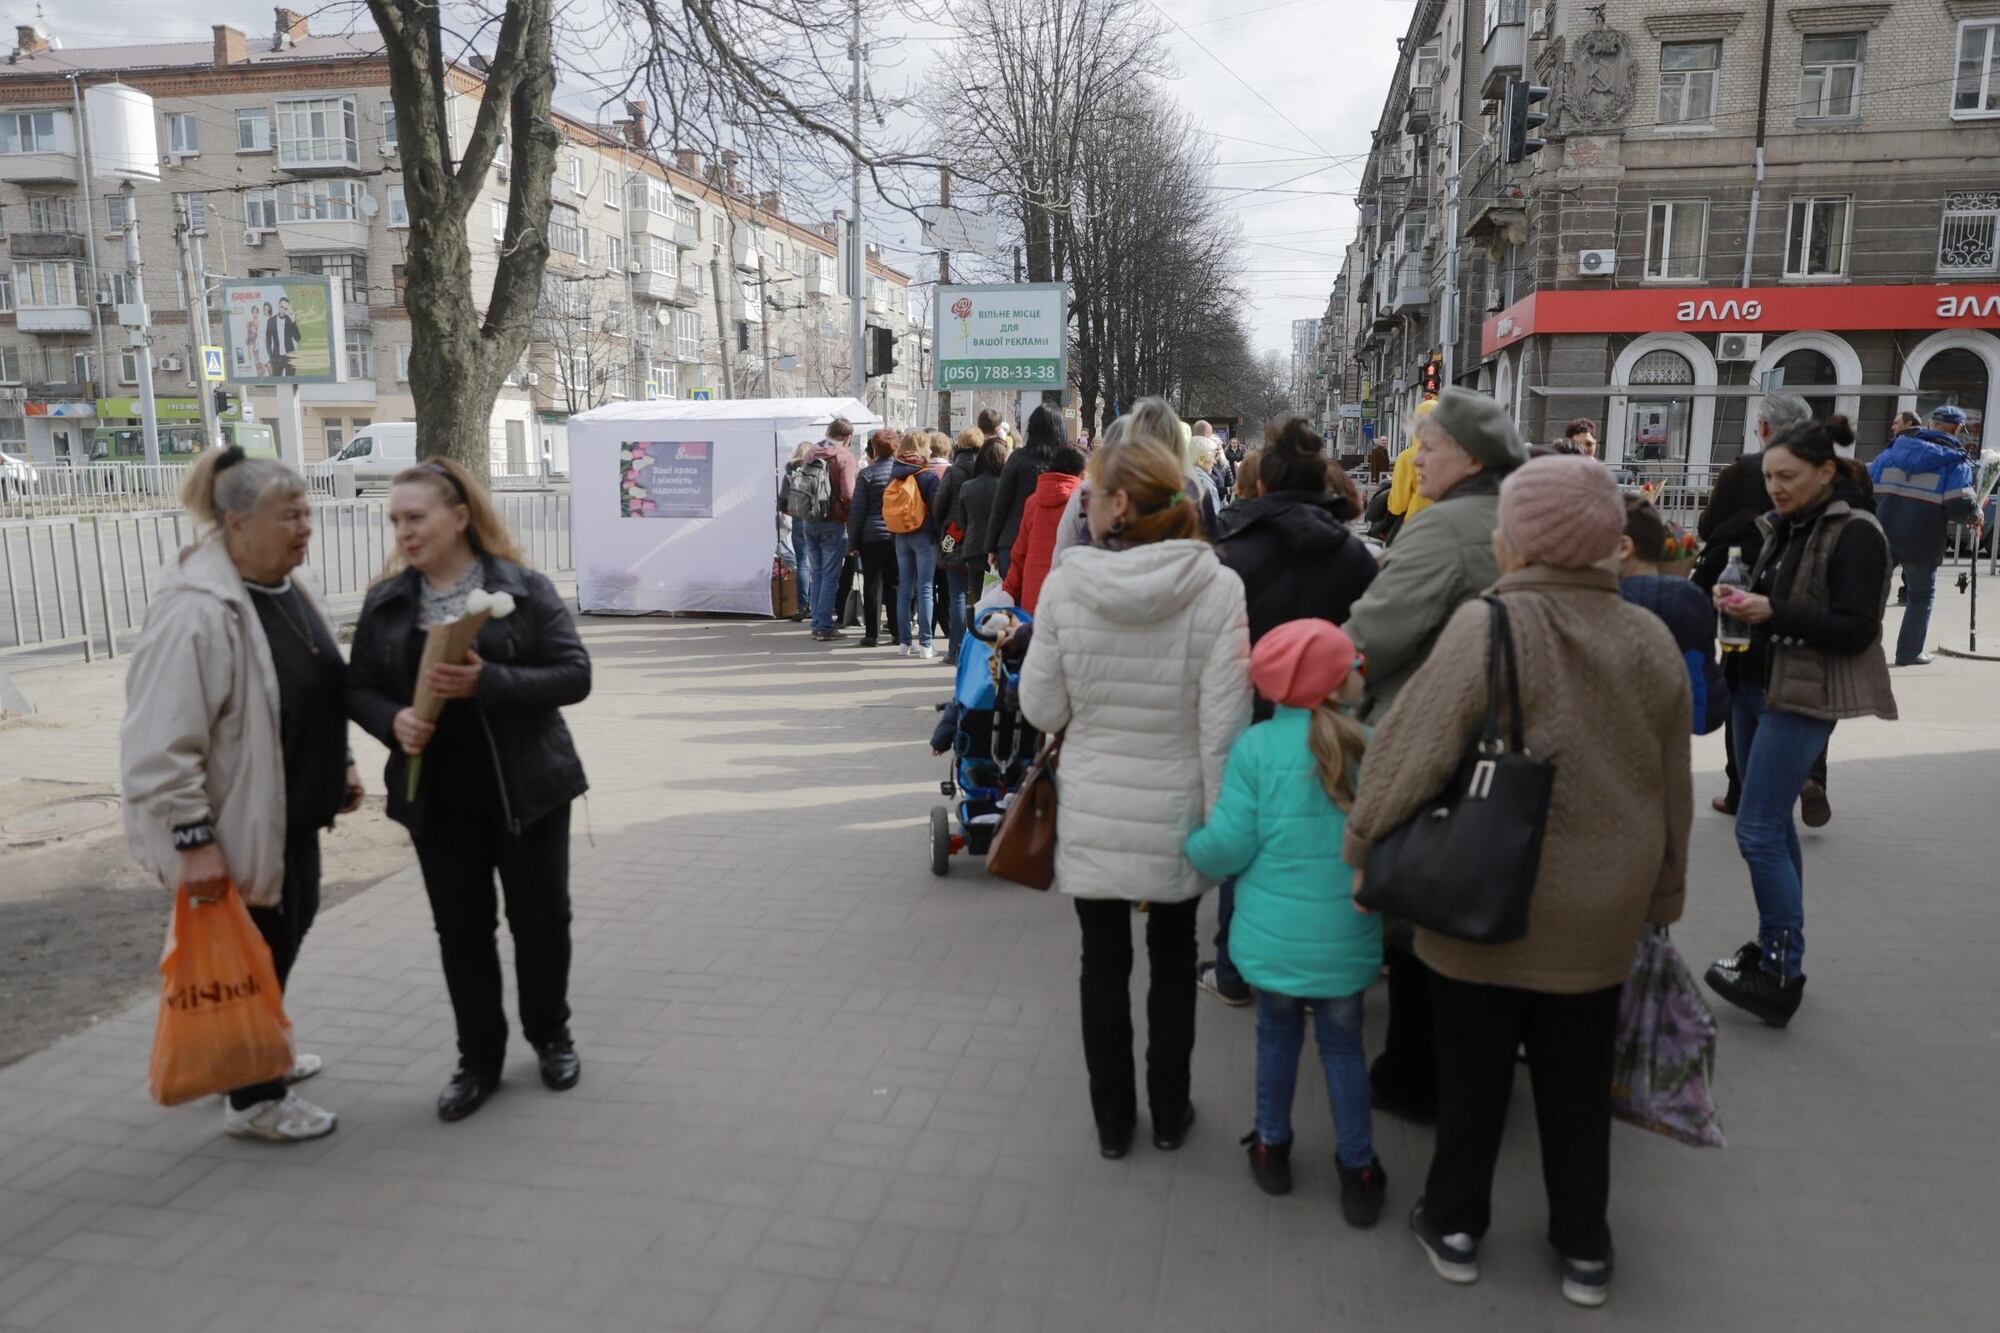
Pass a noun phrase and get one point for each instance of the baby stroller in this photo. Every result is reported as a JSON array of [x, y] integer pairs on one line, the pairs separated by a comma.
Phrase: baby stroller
[[992, 744]]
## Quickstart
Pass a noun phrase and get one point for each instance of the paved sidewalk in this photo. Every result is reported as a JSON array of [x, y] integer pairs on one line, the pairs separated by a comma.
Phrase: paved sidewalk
[[824, 1090]]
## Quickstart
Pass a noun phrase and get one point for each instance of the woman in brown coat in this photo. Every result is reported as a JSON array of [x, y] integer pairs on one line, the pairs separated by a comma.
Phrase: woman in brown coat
[[1605, 699]]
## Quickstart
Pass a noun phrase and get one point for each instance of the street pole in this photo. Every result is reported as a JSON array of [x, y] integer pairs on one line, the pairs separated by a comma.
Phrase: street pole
[[764, 324], [857, 264], [191, 275], [722, 329], [1451, 265], [944, 279], [141, 332], [87, 160]]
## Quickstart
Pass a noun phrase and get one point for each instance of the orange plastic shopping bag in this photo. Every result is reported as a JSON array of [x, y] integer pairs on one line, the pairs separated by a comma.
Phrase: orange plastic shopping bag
[[222, 1021]]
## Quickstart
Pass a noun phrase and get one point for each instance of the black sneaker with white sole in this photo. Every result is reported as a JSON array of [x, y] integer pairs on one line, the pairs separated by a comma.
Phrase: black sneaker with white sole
[[1455, 1257], [1758, 992], [1586, 1282]]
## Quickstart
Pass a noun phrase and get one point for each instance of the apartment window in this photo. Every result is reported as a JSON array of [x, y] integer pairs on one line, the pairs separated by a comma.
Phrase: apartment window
[[1966, 240], [399, 284], [1502, 12], [687, 214], [665, 258], [503, 156], [1424, 69], [114, 214], [1830, 84], [1975, 92], [77, 365], [687, 334], [611, 199], [360, 354], [564, 235], [117, 288], [253, 130], [399, 211], [192, 208], [614, 253], [319, 201], [32, 132], [350, 273], [10, 365], [403, 363], [52, 212], [1675, 232], [46, 284], [318, 131], [499, 210], [260, 209], [1687, 82], [183, 135], [330, 436], [575, 167], [389, 141], [128, 366], [1816, 239]]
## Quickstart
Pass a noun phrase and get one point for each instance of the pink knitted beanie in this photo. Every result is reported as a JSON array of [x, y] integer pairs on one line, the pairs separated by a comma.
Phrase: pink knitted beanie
[[1562, 511]]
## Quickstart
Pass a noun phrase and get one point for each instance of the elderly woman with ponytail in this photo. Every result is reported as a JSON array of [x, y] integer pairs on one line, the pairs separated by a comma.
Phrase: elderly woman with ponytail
[[1140, 656], [501, 771], [234, 745]]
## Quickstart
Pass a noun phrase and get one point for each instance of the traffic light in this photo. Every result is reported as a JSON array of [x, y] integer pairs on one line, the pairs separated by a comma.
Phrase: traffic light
[[225, 402], [742, 335], [881, 351], [1522, 118], [1433, 368]]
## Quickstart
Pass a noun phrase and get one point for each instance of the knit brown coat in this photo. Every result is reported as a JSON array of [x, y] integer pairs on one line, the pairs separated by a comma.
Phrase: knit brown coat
[[1605, 698]]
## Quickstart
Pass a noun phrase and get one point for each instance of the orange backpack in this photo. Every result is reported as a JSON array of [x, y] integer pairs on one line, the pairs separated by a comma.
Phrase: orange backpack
[[903, 505]]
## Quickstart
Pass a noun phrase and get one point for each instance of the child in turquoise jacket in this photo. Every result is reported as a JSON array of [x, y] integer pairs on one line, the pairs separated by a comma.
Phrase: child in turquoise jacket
[[1297, 936]]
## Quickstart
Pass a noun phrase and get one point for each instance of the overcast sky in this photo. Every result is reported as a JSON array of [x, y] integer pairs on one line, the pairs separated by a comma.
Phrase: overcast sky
[[1290, 89]]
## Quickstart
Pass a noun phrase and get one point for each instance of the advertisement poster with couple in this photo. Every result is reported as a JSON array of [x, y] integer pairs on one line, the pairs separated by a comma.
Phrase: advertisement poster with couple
[[280, 331]]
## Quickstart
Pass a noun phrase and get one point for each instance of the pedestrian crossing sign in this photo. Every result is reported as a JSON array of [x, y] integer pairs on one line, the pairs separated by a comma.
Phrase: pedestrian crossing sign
[[211, 365]]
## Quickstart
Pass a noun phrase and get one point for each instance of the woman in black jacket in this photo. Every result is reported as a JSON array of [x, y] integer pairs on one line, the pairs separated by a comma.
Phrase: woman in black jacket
[[869, 538], [500, 770], [1018, 480], [965, 505]]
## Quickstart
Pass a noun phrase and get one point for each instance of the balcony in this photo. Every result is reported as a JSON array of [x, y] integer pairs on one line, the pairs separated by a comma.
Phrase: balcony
[[651, 286], [1418, 114], [356, 316], [822, 283], [61, 390], [1410, 292], [1500, 59], [52, 318], [45, 245], [685, 234], [39, 168], [686, 294], [313, 235]]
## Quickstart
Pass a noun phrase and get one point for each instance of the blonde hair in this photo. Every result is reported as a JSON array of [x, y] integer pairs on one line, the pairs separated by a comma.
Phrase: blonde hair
[[456, 485], [805, 447], [1150, 474], [224, 482], [970, 438], [1337, 743], [940, 445]]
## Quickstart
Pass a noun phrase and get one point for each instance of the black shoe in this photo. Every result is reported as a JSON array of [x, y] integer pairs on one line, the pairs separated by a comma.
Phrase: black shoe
[[1169, 1136], [1921, 659], [1813, 807], [869, 641], [1209, 978], [560, 1066], [1756, 991], [1385, 1096], [1456, 1257], [1270, 1163], [466, 1093], [1362, 1192], [1586, 1282], [1722, 805], [1112, 1146], [1745, 959]]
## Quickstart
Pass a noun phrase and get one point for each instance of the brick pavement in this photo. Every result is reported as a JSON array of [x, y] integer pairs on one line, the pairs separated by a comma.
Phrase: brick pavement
[[824, 1090]]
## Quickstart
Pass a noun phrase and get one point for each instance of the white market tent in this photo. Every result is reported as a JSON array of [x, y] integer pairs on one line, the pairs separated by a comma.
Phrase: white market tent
[[675, 503]]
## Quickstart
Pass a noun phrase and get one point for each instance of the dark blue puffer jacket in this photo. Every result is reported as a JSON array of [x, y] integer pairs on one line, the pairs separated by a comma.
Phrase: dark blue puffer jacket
[[1690, 616]]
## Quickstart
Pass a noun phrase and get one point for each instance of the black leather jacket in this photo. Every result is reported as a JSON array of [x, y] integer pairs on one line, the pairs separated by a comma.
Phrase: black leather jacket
[[535, 663]]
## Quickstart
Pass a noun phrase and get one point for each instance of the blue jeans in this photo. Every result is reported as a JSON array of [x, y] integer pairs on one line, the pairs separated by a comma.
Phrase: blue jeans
[[1281, 1035], [799, 559], [826, 547], [1775, 751], [957, 585], [1921, 580], [916, 571]]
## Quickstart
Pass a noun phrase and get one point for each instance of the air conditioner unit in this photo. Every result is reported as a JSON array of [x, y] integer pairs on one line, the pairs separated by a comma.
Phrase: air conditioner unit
[[635, 267], [1538, 22], [253, 237], [500, 169], [1739, 347], [1596, 263], [172, 363]]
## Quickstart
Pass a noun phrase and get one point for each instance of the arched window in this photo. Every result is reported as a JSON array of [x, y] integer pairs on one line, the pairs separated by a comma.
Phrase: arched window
[[1956, 375], [1658, 425]]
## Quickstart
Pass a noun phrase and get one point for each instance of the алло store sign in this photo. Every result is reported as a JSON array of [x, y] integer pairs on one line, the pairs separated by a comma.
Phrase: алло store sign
[[1745, 310]]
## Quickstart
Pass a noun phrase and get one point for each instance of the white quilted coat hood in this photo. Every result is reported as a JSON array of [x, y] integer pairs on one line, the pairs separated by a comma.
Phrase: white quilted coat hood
[[1144, 655]]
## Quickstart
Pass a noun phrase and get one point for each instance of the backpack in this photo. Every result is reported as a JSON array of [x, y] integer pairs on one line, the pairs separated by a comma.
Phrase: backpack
[[903, 505], [809, 490]]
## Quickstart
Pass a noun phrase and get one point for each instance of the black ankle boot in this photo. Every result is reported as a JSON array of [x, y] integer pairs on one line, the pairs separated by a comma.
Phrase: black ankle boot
[[1270, 1164], [1756, 991]]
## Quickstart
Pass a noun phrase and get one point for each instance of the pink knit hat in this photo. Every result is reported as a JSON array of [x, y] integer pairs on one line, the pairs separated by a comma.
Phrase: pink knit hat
[[1302, 662], [1563, 511]]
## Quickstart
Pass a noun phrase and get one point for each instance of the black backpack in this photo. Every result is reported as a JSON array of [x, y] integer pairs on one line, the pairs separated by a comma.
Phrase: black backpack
[[809, 490]]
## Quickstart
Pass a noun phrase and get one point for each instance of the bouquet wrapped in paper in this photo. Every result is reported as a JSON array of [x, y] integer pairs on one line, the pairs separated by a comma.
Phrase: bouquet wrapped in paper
[[447, 644]]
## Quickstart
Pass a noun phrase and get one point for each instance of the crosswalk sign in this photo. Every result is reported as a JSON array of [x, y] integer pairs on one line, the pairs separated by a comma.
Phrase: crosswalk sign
[[699, 395], [211, 365]]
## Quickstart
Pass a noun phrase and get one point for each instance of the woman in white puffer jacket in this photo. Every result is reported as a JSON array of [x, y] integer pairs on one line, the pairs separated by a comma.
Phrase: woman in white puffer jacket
[[1141, 649]]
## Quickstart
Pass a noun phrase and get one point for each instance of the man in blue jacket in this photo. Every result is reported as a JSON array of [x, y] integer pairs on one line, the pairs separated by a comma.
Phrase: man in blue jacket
[[1923, 481]]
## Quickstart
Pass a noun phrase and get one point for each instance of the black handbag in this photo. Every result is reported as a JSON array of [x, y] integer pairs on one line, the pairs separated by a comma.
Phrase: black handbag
[[1464, 864]]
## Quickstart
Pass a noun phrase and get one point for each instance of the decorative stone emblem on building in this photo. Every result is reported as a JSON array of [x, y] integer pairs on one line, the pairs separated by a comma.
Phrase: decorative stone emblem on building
[[1599, 90]]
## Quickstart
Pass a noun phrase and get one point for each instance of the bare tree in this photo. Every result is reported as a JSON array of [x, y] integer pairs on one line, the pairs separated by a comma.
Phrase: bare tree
[[585, 332], [460, 354]]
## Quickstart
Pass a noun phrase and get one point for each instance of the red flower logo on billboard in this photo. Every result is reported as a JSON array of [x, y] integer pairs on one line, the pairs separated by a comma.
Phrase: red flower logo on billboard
[[962, 307]]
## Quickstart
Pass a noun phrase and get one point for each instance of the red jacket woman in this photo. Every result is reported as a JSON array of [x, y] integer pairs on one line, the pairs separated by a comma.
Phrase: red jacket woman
[[1041, 518]]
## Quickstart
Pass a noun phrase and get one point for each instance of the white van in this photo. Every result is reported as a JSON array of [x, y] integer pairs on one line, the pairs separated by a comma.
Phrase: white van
[[377, 453]]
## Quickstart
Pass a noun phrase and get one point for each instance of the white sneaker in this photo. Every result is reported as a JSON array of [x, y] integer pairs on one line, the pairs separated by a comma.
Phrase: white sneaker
[[289, 1119], [905, 650], [304, 1066], [928, 653]]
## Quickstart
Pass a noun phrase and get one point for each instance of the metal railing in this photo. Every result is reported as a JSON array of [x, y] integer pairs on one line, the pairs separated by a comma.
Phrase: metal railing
[[87, 580], [52, 489]]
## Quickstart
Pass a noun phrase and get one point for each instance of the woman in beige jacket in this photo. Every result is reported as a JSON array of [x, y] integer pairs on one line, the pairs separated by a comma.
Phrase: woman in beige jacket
[[234, 745], [1605, 699]]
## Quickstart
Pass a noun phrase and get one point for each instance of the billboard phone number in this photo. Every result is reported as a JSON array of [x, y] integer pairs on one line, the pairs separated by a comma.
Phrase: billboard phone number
[[1006, 373]]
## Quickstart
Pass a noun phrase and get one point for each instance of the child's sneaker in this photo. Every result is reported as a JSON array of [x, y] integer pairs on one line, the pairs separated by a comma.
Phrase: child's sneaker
[[1270, 1163], [1362, 1191]]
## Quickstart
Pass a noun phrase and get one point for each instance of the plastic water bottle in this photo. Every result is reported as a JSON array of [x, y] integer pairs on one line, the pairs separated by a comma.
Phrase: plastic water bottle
[[1731, 633]]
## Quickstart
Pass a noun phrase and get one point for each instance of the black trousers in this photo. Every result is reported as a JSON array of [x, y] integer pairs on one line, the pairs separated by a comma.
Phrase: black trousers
[[460, 853], [878, 589], [1106, 991], [284, 929], [1568, 1040], [1407, 1069], [1736, 778]]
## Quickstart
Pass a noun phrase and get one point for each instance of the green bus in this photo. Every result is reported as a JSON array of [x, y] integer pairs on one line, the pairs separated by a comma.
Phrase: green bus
[[179, 441]]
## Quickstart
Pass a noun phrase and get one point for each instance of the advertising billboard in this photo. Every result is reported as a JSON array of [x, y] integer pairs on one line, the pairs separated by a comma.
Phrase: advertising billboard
[[1003, 335], [282, 331]]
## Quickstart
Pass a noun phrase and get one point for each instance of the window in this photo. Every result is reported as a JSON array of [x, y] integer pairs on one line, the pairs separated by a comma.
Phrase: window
[[499, 210], [1501, 12], [399, 211], [114, 214], [318, 131], [1816, 240], [389, 142], [1424, 70], [34, 132], [128, 366], [360, 355], [574, 165], [664, 257], [117, 288], [687, 215], [1975, 92], [403, 363], [1830, 85], [1675, 233], [46, 284], [610, 188], [563, 232], [1657, 426], [10, 365], [1966, 240], [503, 155], [193, 209], [399, 284], [687, 334], [651, 193], [330, 435], [253, 130], [52, 212], [78, 365], [349, 272], [614, 253], [319, 201], [260, 209], [1687, 82], [183, 135]]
